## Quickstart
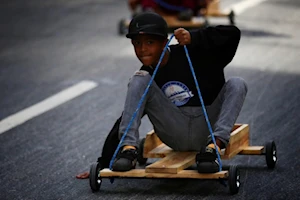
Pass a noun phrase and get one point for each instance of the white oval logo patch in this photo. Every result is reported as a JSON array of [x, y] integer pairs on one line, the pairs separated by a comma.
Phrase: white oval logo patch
[[177, 92]]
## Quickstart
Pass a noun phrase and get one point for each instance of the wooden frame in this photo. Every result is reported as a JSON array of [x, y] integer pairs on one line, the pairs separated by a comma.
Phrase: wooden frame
[[141, 173], [213, 9], [173, 164], [173, 22]]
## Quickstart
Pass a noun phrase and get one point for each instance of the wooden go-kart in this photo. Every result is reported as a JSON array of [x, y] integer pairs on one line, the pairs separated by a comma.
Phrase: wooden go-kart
[[212, 10], [172, 21], [174, 164]]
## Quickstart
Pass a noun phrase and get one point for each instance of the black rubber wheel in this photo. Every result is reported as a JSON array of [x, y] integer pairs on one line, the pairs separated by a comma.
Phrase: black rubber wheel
[[234, 179], [231, 17], [185, 15], [95, 179], [140, 157], [122, 27], [206, 23], [271, 154]]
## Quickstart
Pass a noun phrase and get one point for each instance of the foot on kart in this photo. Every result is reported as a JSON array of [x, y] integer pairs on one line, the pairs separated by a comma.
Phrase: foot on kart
[[207, 160], [125, 161]]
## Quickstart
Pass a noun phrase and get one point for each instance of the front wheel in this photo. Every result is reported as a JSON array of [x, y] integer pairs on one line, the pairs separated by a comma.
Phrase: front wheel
[[231, 17], [140, 157], [95, 179], [122, 29], [234, 179]]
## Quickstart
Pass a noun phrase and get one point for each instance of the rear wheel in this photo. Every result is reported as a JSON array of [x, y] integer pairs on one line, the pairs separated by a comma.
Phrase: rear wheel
[[271, 154], [231, 17]]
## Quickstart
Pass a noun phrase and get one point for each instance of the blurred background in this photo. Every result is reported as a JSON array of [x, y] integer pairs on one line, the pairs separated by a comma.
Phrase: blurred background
[[64, 69]]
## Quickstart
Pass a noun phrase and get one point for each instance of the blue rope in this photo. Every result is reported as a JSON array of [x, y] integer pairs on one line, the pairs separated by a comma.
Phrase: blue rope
[[203, 107], [140, 103], [169, 6]]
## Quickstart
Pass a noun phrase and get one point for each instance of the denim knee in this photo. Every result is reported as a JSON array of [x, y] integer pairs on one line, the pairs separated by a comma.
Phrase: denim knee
[[140, 79], [238, 84]]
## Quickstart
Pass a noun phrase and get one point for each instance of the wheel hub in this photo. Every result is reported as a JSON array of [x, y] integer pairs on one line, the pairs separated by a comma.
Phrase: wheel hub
[[274, 156], [238, 181]]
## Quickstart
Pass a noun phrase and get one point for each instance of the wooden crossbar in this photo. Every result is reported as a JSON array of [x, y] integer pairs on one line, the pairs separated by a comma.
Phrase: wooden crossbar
[[239, 139], [141, 173], [213, 9], [173, 22], [172, 163], [252, 150], [151, 142], [160, 151]]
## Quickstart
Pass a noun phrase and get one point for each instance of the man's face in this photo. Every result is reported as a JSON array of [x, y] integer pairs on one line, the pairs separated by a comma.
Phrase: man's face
[[148, 48]]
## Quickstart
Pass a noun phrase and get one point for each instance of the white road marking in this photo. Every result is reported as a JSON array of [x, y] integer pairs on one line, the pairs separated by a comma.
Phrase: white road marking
[[108, 81], [239, 8], [45, 105]]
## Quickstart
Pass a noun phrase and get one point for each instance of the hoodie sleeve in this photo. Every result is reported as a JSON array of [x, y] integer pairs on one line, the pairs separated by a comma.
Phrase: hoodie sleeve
[[220, 42]]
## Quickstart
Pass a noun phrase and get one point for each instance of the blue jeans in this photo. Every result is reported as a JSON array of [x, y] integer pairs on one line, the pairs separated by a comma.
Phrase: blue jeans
[[181, 128]]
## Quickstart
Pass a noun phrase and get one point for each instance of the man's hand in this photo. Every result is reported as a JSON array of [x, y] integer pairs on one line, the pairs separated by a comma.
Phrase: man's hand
[[183, 36]]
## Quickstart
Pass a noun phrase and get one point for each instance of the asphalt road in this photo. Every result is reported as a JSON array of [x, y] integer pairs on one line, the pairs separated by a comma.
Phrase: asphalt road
[[48, 46]]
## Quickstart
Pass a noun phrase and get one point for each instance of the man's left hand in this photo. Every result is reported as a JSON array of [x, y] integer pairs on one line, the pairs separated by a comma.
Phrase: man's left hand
[[183, 36]]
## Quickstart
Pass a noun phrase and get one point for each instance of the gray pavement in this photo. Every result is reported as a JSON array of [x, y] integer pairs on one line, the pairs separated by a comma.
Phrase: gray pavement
[[47, 46]]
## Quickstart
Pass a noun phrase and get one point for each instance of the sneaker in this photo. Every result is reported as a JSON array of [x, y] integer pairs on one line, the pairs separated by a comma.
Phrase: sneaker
[[207, 160], [125, 160]]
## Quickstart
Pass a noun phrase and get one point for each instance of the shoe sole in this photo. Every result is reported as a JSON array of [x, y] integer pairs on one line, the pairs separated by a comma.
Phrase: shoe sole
[[207, 167]]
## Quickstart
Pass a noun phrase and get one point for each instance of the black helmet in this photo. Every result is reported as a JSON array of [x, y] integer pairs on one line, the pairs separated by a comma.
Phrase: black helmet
[[148, 23]]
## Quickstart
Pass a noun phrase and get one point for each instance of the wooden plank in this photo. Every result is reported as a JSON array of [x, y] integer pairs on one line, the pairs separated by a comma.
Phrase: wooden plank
[[217, 14], [173, 22], [237, 148], [239, 139], [242, 142], [141, 173], [252, 150], [239, 133], [213, 9], [172, 163], [151, 142], [160, 151], [235, 126]]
